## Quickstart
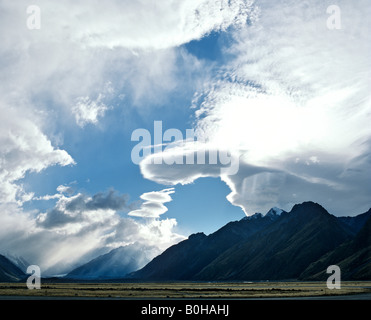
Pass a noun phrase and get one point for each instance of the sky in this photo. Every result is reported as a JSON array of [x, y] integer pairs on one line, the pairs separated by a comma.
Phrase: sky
[[140, 122]]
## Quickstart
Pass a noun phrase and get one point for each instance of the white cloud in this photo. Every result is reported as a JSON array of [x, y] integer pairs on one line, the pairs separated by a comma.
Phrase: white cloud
[[141, 24], [294, 102], [82, 47], [24, 148], [65, 189], [295, 96], [153, 206], [62, 71], [88, 111], [79, 228], [158, 196], [70, 69]]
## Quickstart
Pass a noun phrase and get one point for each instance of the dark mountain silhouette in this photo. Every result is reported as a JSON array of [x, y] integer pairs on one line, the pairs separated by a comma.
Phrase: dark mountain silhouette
[[276, 246], [357, 222], [353, 257], [283, 250], [9, 272], [185, 259]]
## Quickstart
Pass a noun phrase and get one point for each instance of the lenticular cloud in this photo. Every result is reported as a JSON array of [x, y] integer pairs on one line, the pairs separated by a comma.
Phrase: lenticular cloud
[[294, 102]]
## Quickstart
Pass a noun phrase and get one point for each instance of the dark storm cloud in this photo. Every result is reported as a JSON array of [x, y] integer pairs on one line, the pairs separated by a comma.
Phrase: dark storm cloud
[[101, 200], [73, 209]]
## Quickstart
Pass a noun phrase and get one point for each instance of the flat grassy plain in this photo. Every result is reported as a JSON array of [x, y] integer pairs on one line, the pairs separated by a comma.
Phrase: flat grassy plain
[[181, 290]]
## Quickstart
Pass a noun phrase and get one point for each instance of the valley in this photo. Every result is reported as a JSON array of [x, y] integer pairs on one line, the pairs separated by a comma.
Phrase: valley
[[184, 290]]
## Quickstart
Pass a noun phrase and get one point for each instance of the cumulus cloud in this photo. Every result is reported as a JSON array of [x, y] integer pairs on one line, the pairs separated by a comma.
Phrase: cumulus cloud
[[81, 209], [99, 201], [24, 148], [79, 228]]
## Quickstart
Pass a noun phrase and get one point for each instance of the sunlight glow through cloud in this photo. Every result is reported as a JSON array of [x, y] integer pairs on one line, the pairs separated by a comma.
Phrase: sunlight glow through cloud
[[294, 93]]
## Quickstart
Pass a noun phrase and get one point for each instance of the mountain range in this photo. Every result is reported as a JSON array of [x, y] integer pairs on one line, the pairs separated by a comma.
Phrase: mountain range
[[278, 245]]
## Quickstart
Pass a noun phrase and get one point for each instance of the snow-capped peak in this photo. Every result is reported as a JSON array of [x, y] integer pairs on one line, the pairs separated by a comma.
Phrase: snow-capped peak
[[274, 212]]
